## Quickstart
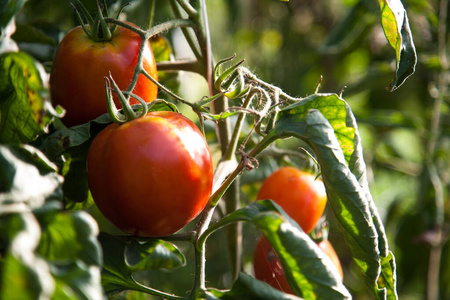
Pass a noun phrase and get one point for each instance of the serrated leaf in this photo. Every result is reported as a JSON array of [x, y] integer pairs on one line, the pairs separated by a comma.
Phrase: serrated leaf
[[25, 109], [120, 260], [26, 175], [395, 23], [347, 188], [333, 108], [309, 271]]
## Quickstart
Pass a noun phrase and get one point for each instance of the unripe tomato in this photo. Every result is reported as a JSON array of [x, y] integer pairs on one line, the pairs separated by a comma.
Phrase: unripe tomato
[[300, 195], [267, 265], [77, 78], [150, 176]]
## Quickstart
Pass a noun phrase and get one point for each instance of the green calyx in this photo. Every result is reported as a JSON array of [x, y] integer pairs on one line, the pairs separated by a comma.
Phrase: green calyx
[[96, 28]]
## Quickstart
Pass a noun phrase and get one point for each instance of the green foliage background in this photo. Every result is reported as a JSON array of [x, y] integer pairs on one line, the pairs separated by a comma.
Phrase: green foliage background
[[292, 45]]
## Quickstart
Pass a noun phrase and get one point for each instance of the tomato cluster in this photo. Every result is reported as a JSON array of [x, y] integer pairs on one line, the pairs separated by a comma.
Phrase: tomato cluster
[[149, 176], [303, 198]]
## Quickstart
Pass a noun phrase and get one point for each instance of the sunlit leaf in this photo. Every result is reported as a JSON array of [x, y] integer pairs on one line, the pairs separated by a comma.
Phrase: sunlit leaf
[[395, 23], [333, 108], [27, 176], [345, 179], [25, 110], [309, 271]]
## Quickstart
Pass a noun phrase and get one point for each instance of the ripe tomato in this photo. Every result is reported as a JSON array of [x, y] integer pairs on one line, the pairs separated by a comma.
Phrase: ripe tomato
[[300, 195], [150, 176], [267, 266], [81, 64], [328, 249]]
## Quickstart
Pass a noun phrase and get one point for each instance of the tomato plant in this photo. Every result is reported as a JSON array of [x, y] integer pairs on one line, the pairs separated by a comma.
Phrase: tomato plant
[[152, 173], [150, 176], [81, 63], [300, 194]]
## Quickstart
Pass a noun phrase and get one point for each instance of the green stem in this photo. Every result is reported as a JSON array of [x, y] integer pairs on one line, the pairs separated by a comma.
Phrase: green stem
[[151, 13], [187, 34], [189, 66]]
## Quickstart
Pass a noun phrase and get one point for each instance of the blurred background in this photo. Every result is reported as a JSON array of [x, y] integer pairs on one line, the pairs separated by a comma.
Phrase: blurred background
[[405, 133]]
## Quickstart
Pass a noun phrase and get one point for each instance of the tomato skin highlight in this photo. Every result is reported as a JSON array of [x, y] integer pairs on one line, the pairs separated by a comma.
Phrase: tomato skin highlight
[[150, 176], [77, 78], [300, 195]]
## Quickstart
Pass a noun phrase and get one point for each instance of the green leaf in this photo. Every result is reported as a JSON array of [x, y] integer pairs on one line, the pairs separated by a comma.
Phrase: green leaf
[[332, 107], [63, 140], [350, 28], [25, 110], [70, 246], [395, 23], [8, 10], [345, 180], [22, 271], [26, 175], [154, 254], [308, 270], [247, 287], [122, 258], [68, 236]]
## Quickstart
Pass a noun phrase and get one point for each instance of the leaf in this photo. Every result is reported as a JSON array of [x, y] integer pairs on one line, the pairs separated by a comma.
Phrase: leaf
[[247, 287], [395, 23], [345, 180], [25, 110], [70, 246], [308, 270], [8, 10], [26, 175], [21, 269], [122, 258], [61, 141], [333, 108], [350, 28], [46, 253], [154, 254]]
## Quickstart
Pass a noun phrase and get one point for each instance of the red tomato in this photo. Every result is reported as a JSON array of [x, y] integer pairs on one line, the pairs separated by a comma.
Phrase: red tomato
[[328, 249], [267, 265], [77, 77], [300, 195], [150, 176]]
